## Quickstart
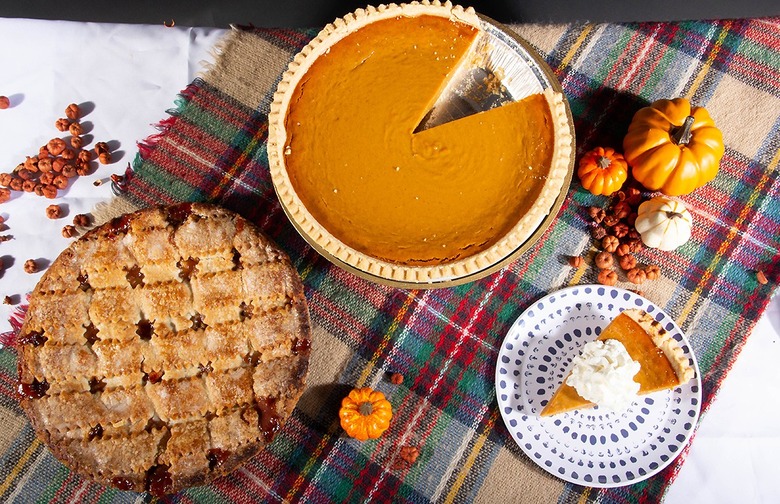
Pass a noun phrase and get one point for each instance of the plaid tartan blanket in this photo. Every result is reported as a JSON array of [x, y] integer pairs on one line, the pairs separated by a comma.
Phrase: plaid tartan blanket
[[445, 342]]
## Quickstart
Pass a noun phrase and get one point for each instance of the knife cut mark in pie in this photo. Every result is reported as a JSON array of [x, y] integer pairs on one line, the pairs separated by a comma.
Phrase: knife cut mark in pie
[[164, 349], [663, 364], [361, 183]]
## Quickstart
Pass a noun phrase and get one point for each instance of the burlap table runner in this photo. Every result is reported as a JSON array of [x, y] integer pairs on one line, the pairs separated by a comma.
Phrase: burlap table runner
[[445, 342]]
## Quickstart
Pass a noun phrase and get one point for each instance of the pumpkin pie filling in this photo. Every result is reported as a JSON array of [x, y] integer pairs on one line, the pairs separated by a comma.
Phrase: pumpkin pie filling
[[662, 363], [351, 161]]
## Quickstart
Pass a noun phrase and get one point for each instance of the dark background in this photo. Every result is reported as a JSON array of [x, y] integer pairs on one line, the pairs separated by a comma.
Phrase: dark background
[[313, 13]]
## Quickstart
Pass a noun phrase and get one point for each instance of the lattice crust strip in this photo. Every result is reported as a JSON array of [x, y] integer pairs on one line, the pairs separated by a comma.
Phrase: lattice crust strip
[[165, 348]]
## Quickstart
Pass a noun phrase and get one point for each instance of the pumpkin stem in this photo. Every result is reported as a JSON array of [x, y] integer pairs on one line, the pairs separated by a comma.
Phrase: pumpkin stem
[[673, 215], [681, 135], [366, 408], [604, 162]]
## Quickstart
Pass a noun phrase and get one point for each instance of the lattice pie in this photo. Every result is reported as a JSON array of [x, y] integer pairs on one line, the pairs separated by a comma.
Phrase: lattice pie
[[164, 349]]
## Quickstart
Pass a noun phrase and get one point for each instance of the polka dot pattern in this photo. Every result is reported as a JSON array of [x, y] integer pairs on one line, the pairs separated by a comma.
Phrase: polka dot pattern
[[591, 447]]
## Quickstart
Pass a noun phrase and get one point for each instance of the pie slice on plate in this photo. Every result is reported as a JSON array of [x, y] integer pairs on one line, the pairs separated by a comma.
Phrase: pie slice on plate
[[662, 362]]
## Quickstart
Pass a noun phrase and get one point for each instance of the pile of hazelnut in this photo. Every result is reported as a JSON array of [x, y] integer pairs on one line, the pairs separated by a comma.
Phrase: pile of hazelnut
[[618, 240], [49, 171]]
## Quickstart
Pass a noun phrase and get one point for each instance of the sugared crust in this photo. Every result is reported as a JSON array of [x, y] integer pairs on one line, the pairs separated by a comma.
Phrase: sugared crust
[[174, 398], [324, 240], [664, 341]]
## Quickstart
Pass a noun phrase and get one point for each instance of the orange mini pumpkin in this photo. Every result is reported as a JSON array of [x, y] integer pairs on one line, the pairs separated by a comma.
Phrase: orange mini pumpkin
[[673, 147], [365, 413], [602, 171]]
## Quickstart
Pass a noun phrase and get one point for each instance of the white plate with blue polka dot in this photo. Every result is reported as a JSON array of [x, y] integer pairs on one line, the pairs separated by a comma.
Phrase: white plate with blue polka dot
[[591, 447]]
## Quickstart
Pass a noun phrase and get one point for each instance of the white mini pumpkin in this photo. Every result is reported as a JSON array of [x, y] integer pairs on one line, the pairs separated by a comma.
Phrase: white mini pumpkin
[[664, 223]]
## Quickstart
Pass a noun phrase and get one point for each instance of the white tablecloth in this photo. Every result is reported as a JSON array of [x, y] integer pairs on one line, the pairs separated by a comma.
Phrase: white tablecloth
[[125, 76]]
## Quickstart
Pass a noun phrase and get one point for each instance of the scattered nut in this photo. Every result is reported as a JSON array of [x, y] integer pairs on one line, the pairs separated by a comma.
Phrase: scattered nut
[[16, 184], [636, 276], [62, 124], [55, 146], [54, 211], [5, 238], [610, 243], [598, 232], [69, 231], [627, 262], [29, 185], [607, 277], [4, 102], [576, 261], [104, 158], [635, 244], [604, 260], [75, 129], [761, 278], [652, 272], [409, 454], [69, 171], [396, 378], [76, 142], [5, 179], [97, 183], [82, 220], [597, 214], [49, 191], [623, 249], [68, 154], [8, 300], [31, 163], [101, 147], [73, 112], [30, 266], [45, 165], [620, 229], [5, 194], [60, 181]]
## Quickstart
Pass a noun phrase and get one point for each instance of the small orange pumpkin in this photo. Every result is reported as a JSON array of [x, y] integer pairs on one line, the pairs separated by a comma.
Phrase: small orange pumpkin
[[365, 413], [673, 147], [602, 171]]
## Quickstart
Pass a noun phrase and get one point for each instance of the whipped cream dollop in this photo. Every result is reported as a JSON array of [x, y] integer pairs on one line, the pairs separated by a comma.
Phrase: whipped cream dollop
[[603, 373]]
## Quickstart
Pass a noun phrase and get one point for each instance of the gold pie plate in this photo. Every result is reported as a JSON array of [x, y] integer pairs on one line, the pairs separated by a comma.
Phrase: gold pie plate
[[420, 145]]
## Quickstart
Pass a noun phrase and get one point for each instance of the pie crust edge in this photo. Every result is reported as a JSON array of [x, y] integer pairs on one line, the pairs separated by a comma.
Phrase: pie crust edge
[[323, 240]]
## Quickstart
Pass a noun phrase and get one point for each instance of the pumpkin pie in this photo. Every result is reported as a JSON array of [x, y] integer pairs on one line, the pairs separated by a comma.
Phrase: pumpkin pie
[[662, 362], [367, 186], [164, 349]]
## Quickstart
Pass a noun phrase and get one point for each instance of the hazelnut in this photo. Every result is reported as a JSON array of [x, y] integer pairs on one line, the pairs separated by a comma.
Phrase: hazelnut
[[43, 152], [30, 266], [576, 261], [607, 277], [101, 147], [623, 249], [610, 220], [83, 168], [5, 179], [82, 220], [610, 243], [597, 214], [620, 229], [627, 262], [5, 194], [76, 142], [604, 260], [68, 154], [60, 181], [104, 157], [409, 454], [55, 146], [621, 209], [396, 378], [54, 211], [25, 174], [58, 163], [49, 191], [47, 178], [29, 185], [761, 278], [85, 156], [652, 272], [73, 112], [634, 244], [45, 165], [16, 184], [636, 276], [633, 196], [31, 163], [38, 190], [62, 124], [69, 170], [69, 231], [598, 232], [75, 129], [4, 102]]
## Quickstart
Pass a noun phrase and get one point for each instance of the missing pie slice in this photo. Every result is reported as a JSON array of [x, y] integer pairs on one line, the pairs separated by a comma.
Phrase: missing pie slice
[[662, 362]]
